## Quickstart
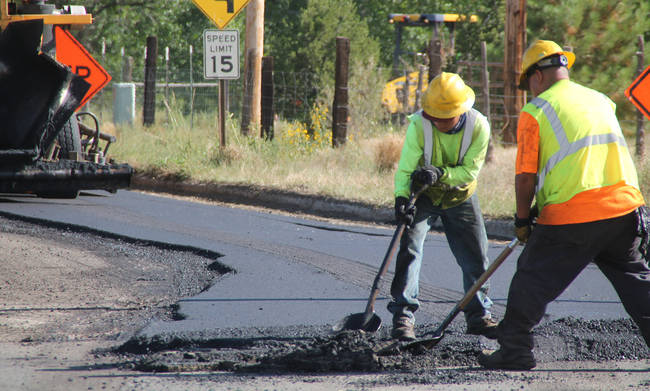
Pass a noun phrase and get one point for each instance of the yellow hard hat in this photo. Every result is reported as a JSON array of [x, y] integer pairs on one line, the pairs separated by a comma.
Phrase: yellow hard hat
[[540, 50], [447, 96]]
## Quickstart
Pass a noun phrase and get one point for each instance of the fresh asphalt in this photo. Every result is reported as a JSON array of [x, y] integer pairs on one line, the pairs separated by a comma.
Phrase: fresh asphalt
[[290, 270]]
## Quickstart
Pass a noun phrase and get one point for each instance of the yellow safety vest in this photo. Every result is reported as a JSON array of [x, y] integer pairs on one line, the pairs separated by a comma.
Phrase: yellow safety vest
[[581, 143]]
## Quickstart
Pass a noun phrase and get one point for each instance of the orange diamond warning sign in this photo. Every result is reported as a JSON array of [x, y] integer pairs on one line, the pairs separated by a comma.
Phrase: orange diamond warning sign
[[639, 92], [221, 11], [71, 53]]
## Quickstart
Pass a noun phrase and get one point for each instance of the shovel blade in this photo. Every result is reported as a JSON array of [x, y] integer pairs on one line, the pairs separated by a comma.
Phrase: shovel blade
[[360, 321], [424, 343]]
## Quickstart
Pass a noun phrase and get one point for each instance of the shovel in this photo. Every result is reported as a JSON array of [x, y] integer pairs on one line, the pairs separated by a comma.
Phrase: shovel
[[429, 343], [369, 321]]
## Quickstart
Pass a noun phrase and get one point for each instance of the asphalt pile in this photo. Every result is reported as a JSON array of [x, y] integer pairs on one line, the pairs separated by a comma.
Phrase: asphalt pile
[[289, 351]]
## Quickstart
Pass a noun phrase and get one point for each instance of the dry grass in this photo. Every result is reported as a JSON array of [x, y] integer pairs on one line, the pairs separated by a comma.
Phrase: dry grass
[[362, 170], [387, 151], [496, 183]]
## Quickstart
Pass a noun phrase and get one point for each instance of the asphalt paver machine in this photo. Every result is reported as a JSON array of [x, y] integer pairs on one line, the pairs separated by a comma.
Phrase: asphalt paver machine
[[46, 149]]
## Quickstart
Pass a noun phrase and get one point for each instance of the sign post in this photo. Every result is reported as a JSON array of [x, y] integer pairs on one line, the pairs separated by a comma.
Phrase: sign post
[[221, 50], [221, 61]]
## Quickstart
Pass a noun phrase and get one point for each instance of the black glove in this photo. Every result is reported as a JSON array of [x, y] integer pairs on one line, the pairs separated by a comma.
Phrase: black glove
[[643, 231], [402, 212], [523, 227], [427, 175]]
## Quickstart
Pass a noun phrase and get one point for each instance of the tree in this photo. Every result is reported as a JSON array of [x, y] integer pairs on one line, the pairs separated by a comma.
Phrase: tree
[[301, 36], [605, 51], [320, 23], [282, 38]]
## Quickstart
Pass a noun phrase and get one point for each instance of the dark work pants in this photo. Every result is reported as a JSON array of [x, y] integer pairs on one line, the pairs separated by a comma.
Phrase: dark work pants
[[553, 258]]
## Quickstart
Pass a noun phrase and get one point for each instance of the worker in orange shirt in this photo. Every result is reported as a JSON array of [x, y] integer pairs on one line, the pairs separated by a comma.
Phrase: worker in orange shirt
[[573, 161]]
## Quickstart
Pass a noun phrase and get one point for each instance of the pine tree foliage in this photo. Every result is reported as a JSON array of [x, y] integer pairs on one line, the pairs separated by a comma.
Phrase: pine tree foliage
[[603, 35], [301, 35]]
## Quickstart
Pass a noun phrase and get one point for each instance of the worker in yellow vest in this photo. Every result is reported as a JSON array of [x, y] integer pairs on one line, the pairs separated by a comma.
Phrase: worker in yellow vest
[[573, 161], [445, 147]]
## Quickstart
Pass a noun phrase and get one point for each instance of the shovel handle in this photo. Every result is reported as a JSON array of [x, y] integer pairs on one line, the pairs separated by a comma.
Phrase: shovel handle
[[401, 227]]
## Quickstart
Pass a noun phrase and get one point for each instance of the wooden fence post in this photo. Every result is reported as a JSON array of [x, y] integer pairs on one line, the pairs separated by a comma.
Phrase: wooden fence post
[[640, 139], [485, 78], [267, 99], [418, 92], [407, 92], [435, 58], [340, 105], [514, 49], [397, 50], [247, 97], [149, 109]]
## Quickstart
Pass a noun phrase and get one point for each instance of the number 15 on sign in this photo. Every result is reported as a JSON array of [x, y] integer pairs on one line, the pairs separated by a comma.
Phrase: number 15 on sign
[[221, 54]]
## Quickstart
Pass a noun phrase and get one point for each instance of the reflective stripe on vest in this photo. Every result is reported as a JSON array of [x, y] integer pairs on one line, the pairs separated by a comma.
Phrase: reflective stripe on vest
[[427, 130], [567, 148]]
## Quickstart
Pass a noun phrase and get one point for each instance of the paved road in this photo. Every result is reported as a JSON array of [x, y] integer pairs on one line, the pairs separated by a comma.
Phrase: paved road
[[290, 270]]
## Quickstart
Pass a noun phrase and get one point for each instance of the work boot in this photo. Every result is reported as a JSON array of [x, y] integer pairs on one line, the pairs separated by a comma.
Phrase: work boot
[[486, 327], [500, 359], [403, 329]]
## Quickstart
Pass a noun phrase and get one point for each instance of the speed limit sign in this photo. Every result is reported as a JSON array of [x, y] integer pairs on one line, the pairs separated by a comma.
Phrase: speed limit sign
[[221, 54]]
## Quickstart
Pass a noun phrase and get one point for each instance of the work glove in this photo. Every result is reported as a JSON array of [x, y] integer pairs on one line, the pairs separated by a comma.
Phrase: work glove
[[523, 227], [427, 175], [643, 231], [403, 213]]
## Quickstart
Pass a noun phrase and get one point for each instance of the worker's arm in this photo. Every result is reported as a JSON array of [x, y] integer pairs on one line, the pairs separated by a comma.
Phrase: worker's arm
[[526, 164], [524, 193], [409, 159]]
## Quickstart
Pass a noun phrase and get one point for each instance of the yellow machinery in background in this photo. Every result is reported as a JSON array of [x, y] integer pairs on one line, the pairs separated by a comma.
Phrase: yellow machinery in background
[[392, 98], [72, 15], [391, 95]]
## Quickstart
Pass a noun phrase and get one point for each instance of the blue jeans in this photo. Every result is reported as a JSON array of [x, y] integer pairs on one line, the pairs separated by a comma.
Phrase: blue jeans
[[465, 231]]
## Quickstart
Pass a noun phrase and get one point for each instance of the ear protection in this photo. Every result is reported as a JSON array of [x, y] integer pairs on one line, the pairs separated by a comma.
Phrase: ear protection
[[558, 60]]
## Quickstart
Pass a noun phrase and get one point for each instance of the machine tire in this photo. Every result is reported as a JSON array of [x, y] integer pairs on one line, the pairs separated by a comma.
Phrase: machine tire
[[69, 138], [70, 141]]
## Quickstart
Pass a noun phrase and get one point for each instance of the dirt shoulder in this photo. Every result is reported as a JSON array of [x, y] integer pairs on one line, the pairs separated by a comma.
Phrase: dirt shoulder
[[64, 294], [69, 298]]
